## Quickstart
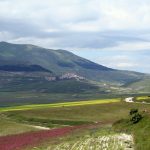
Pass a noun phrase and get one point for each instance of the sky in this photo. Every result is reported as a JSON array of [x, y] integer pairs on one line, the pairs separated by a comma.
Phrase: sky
[[114, 33]]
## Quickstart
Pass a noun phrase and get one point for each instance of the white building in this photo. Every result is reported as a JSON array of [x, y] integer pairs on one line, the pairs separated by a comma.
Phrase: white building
[[129, 99]]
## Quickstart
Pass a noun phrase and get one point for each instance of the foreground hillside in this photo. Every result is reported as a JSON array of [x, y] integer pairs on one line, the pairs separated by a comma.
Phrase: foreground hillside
[[76, 126]]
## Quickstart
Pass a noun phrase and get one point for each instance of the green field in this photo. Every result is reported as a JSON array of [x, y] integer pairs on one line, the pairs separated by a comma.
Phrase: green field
[[107, 112], [142, 99], [9, 127], [69, 104], [27, 98]]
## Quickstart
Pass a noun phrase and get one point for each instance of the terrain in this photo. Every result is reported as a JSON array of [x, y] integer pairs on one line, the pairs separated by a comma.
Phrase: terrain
[[76, 125], [34, 75], [59, 62], [53, 99]]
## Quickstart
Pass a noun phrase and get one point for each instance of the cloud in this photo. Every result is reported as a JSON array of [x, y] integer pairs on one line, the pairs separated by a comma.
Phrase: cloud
[[95, 24], [81, 25]]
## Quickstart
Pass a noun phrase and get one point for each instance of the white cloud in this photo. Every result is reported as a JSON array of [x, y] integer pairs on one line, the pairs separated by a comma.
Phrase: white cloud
[[106, 25], [114, 14], [131, 46]]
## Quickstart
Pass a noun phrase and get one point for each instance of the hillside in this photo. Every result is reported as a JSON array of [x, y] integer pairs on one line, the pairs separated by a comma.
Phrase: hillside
[[142, 85], [62, 61]]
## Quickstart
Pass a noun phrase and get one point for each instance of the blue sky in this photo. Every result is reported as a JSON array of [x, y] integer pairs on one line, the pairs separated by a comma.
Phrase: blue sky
[[115, 33]]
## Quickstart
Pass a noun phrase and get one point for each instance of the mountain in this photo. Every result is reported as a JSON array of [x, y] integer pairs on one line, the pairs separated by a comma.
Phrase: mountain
[[23, 68], [25, 57]]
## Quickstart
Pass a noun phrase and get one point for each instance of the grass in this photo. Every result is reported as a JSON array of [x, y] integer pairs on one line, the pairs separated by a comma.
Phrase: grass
[[8, 99], [143, 99], [141, 131], [9, 127], [71, 115], [74, 113], [67, 104], [141, 86], [26, 98], [139, 98], [96, 138]]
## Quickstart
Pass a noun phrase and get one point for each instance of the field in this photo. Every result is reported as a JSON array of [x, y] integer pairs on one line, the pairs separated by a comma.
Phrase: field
[[79, 103], [9, 127], [145, 99], [27, 98], [96, 116], [97, 139], [8, 99]]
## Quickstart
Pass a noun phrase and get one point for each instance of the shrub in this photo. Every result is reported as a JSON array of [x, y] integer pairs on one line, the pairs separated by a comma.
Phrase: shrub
[[133, 111], [135, 116]]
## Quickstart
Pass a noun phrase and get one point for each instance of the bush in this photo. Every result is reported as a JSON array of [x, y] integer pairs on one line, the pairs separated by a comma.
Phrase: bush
[[135, 116], [133, 111]]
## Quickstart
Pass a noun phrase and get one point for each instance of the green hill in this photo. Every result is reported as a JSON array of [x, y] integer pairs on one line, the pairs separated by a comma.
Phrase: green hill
[[62, 61]]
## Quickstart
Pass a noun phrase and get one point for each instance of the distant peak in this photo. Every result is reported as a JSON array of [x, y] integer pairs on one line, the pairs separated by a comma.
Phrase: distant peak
[[3, 42]]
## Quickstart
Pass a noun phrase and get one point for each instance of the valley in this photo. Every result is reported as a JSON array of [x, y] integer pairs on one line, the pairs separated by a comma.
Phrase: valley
[[56, 100]]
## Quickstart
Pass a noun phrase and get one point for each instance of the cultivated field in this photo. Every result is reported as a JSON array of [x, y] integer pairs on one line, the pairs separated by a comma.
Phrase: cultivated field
[[67, 104], [101, 114]]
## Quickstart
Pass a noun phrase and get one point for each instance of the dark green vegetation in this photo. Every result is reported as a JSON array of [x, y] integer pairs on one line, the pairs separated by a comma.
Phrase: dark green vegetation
[[135, 116], [41, 85]]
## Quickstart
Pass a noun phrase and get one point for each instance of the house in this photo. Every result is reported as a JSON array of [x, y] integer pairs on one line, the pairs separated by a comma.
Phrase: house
[[129, 99]]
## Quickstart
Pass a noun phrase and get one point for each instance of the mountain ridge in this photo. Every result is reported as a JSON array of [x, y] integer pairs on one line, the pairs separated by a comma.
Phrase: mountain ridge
[[61, 61]]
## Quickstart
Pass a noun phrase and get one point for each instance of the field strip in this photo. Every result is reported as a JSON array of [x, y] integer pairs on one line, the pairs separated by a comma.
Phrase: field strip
[[65, 104], [38, 127], [18, 141]]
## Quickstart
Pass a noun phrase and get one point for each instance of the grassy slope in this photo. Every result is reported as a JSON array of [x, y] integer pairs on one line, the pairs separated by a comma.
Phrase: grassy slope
[[141, 131], [105, 113], [79, 139], [9, 127], [109, 112], [141, 86]]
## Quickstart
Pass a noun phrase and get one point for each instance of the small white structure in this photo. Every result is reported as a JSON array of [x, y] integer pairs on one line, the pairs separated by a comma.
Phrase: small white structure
[[129, 99]]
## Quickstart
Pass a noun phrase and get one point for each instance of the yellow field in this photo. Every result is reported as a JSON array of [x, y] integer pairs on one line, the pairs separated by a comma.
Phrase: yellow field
[[141, 98], [67, 104]]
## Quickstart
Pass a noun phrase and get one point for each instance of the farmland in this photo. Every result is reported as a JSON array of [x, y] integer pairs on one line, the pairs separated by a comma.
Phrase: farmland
[[28, 107], [101, 114], [143, 99]]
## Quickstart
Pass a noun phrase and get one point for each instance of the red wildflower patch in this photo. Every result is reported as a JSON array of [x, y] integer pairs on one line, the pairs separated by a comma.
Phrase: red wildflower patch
[[19, 141], [13, 142]]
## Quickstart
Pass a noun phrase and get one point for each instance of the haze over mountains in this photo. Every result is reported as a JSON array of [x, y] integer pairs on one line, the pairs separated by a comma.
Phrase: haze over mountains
[[29, 63]]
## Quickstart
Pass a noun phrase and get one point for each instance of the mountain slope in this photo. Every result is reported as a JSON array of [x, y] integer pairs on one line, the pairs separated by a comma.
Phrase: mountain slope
[[61, 61], [141, 86]]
